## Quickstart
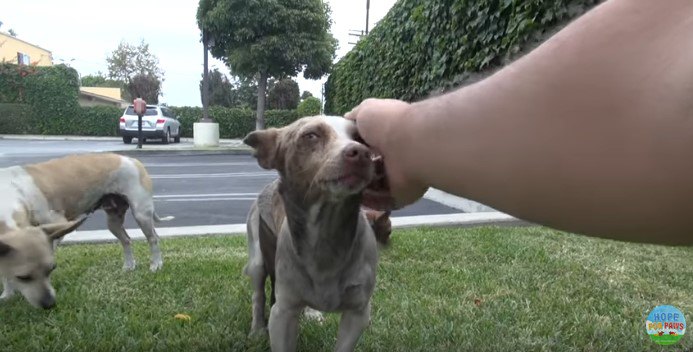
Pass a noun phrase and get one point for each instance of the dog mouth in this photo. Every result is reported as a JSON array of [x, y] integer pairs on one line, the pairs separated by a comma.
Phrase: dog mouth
[[350, 181]]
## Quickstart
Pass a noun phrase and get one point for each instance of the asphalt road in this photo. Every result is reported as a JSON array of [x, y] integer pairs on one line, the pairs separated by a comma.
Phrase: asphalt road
[[196, 189]]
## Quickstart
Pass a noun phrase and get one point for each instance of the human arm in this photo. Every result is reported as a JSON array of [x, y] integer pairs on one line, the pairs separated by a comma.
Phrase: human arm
[[591, 132]]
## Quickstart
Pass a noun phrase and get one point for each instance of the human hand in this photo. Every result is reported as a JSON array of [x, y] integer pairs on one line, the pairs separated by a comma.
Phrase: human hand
[[380, 124]]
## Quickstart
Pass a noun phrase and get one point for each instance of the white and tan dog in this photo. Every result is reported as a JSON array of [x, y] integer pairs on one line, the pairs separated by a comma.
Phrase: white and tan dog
[[62, 190], [307, 230]]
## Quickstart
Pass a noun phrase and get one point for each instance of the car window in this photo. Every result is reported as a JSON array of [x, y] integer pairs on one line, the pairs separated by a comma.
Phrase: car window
[[169, 113], [149, 112]]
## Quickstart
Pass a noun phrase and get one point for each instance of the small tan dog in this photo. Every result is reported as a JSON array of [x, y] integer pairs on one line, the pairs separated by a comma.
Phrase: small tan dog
[[60, 191], [27, 260]]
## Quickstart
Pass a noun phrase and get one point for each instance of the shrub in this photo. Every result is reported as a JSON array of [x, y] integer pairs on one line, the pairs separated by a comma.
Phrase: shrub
[[187, 115], [309, 107], [279, 118], [16, 119], [422, 46], [53, 93], [96, 121], [233, 122]]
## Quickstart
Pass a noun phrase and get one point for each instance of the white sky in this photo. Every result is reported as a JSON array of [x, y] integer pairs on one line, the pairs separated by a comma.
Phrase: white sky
[[84, 32]]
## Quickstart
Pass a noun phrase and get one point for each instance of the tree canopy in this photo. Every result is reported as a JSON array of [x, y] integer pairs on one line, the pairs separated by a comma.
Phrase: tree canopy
[[283, 94], [220, 89], [269, 38], [147, 87], [128, 62], [99, 80]]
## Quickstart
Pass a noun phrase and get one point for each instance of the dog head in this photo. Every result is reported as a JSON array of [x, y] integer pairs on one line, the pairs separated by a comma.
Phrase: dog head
[[27, 260], [317, 156], [381, 224]]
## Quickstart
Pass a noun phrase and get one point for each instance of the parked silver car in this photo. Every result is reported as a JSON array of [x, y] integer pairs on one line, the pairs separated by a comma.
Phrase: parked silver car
[[157, 123]]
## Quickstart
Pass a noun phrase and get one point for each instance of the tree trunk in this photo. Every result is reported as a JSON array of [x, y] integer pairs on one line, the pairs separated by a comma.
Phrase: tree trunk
[[261, 94], [205, 81]]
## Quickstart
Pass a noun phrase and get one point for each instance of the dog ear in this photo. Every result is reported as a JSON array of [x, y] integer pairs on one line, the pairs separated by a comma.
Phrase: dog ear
[[58, 230], [5, 249], [265, 144]]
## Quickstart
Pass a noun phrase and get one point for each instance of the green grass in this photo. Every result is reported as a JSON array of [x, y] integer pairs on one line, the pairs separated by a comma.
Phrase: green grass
[[481, 289]]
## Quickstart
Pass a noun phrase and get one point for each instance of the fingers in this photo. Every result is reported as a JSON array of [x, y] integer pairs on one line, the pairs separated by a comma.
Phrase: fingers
[[353, 114]]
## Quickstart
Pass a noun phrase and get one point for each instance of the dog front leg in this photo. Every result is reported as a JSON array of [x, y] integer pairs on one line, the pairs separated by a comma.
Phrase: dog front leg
[[7, 289], [351, 326], [283, 327]]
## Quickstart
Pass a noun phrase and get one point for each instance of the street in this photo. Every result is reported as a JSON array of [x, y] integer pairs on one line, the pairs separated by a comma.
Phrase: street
[[196, 189]]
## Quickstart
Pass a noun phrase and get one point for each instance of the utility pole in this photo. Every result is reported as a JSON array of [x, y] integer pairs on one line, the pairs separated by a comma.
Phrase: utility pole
[[368, 9], [205, 78]]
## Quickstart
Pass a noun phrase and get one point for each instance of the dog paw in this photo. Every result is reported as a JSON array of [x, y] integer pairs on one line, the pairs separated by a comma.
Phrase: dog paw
[[314, 315], [129, 266], [154, 267], [258, 332]]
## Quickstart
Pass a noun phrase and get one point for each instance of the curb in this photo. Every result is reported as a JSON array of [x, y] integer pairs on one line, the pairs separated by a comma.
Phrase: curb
[[447, 220], [182, 152], [58, 138]]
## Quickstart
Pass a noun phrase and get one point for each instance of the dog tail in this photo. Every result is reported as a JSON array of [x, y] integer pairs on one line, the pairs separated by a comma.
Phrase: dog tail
[[166, 218]]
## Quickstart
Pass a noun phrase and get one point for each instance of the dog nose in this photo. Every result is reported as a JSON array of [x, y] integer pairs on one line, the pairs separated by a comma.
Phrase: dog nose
[[47, 302], [356, 152]]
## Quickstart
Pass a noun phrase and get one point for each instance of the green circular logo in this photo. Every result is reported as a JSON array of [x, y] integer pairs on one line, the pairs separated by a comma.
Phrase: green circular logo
[[666, 325]]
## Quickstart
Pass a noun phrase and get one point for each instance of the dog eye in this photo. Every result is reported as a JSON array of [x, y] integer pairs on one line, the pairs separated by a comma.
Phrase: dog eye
[[24, 278], [311, 136]]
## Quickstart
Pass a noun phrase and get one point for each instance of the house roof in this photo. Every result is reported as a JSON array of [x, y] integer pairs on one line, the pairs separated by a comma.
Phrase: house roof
[[24, 41], [101, 97], [113, 93]]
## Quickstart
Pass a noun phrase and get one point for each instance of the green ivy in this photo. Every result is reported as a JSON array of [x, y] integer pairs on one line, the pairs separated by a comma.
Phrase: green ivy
[[96, 121], [423, 46], [16, 119]]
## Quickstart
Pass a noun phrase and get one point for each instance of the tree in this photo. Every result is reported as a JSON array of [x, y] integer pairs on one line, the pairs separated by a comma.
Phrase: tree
[[220, 89], [147, 87], [12, 32], [309, 107], [128, 61], [260, 39], [244, 94], [99, 80], [284, 95], [306, 94]]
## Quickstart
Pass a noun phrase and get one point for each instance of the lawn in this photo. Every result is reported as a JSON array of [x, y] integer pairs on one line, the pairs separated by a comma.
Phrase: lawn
[[480, 289]]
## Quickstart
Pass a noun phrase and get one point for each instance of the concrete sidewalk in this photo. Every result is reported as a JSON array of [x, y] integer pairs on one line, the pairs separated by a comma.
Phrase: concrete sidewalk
[[449, 220]]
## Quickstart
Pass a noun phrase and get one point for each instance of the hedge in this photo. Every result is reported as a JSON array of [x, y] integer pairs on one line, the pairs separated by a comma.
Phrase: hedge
[[233, 122], [425, 46], [86, 121], [16, 119], [51, 92], [103, 120]]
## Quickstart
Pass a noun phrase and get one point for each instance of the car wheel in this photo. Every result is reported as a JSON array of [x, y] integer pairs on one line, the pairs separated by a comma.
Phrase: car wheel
[[127, 140], [167, 136]]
